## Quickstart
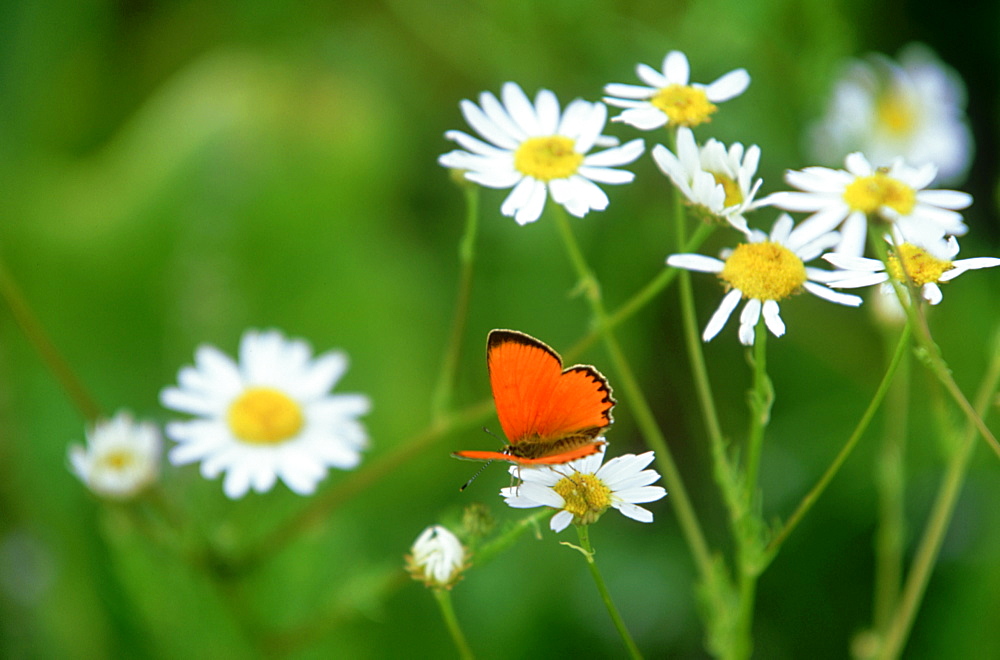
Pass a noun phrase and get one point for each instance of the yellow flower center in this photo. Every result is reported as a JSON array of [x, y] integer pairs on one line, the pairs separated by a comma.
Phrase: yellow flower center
[[868, 193], [684, 105], [547, 158], [120, 459], [895, 113], [765, 271], [920, 265], [734, 195], [262, 415], [586, 496]]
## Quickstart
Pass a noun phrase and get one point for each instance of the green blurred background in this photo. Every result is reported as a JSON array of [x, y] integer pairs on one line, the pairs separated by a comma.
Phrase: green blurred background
[[174, 173]]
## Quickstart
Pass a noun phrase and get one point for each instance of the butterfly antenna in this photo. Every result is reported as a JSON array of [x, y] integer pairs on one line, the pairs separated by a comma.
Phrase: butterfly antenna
[[478, 472]]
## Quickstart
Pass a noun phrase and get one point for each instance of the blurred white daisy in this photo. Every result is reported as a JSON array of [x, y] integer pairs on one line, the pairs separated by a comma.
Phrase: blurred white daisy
[[121, 458], [765, 271], [270, 415], [716, 181], [896, 195], [926, 264], [584, 489], [913, 108], [668, 97], [538, 151], [437, 558]]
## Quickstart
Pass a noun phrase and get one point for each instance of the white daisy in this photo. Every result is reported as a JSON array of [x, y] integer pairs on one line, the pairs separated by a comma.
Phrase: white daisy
[[584, 489], [894, 194], [926, 264], [914, 108], [121, 457], [719, 182], [765, 271], [268, 416], [668, 97], [540, 152], [437, 558]]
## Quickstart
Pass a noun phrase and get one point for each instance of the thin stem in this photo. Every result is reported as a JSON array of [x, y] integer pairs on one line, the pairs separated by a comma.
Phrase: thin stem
[[50, 355], [813, 495], [616, 618], [444, 390], [890, 483], [644, 417], [909, 298], [487, 552], [940, 518], [443, 598], [761, 399]]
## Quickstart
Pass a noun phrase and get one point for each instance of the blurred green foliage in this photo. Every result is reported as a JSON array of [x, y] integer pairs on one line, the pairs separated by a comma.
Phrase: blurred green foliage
[[174, 173]]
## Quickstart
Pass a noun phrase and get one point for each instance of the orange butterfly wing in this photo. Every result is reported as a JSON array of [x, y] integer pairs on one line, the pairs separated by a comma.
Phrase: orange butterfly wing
[[548, 414]]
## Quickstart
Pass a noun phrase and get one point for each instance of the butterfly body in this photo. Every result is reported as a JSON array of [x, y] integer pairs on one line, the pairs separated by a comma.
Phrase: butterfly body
[[550, 415]]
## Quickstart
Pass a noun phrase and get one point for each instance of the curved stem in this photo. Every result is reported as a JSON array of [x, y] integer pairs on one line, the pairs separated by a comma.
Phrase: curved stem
[[761, 399], [443, 598], [644, 417], [616, 618]]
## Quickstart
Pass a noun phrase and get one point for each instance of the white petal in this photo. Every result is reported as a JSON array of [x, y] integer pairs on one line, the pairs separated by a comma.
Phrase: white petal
[[676, 68], [560, 521], [931, 292], [635, 512], [722, 314], [696, 262], [772, 318], [728, 86], [628, 91], [832, 296]]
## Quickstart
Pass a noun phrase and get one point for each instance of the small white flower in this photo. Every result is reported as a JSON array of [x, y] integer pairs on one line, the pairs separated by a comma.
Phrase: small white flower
[[765, 271], [846, 198], [926, 264], [268, 416], [668, 97], [437, 558], [538, 151], [719, 181], [584, 489], [914, 109], [121, 457]]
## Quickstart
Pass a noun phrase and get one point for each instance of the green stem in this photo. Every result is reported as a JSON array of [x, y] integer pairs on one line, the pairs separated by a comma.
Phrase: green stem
[[444, 390], [813, 495], [939, 519], [39, 339], [644, 417], [487, 552], [890, 484], [761, 399], [443, 598], [616, 618], [909, 297]]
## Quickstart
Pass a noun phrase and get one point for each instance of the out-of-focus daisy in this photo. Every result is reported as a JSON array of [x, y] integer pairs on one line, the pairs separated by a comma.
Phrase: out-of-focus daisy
[[121, 458], [716, 181], [270, 415], [584, 489], [895, 195], [437, 558], [765, 271], [914, 109], [668, 97], [539, 151], [927, 265]]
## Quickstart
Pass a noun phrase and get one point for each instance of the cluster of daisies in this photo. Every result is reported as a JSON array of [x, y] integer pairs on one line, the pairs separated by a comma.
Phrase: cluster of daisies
[[541, 153], [267, 416]]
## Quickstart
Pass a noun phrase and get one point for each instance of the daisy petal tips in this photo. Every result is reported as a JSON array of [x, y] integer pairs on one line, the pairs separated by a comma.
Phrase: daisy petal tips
[[540, 152], [268, 416], [584, 489], [765, 271], [121, 458], [669, 98]]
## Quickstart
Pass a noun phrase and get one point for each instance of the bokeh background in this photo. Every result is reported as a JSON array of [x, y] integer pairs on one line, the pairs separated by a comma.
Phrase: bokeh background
[[173, 173]]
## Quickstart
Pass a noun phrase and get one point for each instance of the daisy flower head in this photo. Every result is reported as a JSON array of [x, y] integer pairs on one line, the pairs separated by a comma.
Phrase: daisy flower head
[[437, 558], [668, 98], [717, 182], [584, 489], [894, 195], [927, 264], [269, 415], [540, 152], [121, 458], [912, 107], [765, 271]]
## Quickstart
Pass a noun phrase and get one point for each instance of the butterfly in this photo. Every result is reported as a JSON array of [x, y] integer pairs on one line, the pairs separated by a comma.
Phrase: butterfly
[[550, 415]]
